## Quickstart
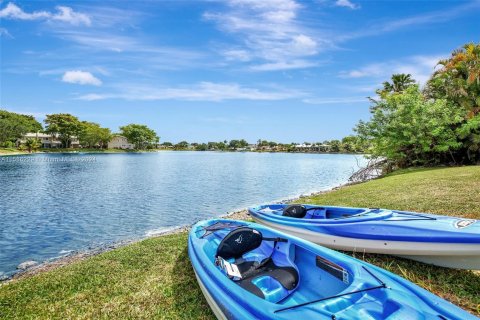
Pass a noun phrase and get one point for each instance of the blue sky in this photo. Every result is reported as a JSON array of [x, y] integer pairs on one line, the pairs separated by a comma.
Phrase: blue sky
[[283, 70]]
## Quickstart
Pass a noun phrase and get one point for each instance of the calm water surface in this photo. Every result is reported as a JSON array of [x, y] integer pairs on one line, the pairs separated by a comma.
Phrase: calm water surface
[[51, 204]]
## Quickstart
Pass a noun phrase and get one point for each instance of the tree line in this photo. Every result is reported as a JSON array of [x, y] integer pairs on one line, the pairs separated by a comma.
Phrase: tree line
[[433, 125], [220, 146], [14, 126], [66, 128], [349, 144]]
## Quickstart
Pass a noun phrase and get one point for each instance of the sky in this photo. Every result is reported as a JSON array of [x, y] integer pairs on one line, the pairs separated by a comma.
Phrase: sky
[[282, 70]]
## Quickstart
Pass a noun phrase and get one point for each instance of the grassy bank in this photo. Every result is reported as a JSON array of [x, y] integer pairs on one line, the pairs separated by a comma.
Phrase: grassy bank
[[10, 151], [153, 278], [86, 150], [13, 151]]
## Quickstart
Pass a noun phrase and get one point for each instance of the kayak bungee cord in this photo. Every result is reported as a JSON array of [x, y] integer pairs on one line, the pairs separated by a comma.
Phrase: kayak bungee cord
[[420, 217], [218, 226], [382, 285]]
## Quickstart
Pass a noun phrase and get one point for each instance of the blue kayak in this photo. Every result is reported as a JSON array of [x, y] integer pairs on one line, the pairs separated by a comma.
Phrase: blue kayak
[[434, 239], [248, 271]]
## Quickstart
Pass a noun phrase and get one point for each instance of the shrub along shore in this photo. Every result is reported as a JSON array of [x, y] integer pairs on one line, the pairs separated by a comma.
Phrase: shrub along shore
[[153, 277]]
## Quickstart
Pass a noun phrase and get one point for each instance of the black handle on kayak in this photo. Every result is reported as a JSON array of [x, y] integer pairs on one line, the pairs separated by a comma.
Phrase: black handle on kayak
[[275, 239], [315, 208]]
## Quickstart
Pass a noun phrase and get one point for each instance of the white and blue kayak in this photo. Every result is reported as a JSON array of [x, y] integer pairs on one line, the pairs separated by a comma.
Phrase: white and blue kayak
[[249, 271], [439, 240]]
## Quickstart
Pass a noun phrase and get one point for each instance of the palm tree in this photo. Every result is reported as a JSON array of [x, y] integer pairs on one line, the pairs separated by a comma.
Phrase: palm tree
[[32, 144], [459, 79], [400, 82]]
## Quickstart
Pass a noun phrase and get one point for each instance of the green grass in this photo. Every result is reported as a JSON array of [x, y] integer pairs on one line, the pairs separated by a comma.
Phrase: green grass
[[447, 191], [147, 280], [153, 278], [85, 150], [7, 151]]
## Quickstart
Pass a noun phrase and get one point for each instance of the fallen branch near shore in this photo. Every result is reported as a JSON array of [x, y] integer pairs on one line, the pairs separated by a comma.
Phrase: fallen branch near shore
[[374, 169]]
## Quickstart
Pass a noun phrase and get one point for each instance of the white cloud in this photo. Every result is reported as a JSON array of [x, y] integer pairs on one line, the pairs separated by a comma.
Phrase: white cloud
[[346, 4], [420, 67], [81, 77], [371, 70], [269, 32], [4, 33], [237, 54], [66, 14], [13, 12], [63, 14], [135, 50], [282, 65], [203, 91]]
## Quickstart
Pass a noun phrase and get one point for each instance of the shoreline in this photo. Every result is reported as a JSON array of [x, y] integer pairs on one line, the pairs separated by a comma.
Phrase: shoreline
[[114, 151], [19, 153], [79, 255]]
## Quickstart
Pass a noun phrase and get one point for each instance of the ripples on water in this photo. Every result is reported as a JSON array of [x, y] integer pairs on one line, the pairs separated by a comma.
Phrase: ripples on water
[[54, 203]]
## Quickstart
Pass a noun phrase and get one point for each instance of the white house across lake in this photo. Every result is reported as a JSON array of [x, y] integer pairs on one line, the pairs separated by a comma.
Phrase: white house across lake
[[52, 141], [120, 142], [48, 140]]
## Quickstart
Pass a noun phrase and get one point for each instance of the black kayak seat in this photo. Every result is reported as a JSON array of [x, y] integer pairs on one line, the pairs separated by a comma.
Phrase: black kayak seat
[[238, 242], [295, 211], [243, 240], [300, 211]]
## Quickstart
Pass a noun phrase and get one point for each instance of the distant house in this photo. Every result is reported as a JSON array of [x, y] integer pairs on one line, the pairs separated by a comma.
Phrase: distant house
[[312, 147], [120, 142], [48, 140]]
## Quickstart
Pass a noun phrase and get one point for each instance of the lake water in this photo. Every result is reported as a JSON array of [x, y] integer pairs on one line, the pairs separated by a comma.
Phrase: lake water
[[53, 203]]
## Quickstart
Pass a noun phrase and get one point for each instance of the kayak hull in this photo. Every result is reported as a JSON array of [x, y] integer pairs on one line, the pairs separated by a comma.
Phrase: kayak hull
[[449, 255], [210, 300]]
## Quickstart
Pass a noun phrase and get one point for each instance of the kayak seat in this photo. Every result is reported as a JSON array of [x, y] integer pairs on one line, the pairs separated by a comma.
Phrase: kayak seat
[[238, 242], [264, 279], [271, 282], [301, 212], [294, 211]]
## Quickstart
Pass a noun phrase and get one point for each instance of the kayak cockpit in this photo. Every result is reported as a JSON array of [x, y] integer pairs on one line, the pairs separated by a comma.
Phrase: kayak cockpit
[[326, 213], [273, 268], [258, 264]]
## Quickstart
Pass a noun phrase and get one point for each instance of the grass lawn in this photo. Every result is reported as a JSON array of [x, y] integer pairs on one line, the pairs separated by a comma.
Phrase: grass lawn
[[84, 150], [153, 278], [12, 151]]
